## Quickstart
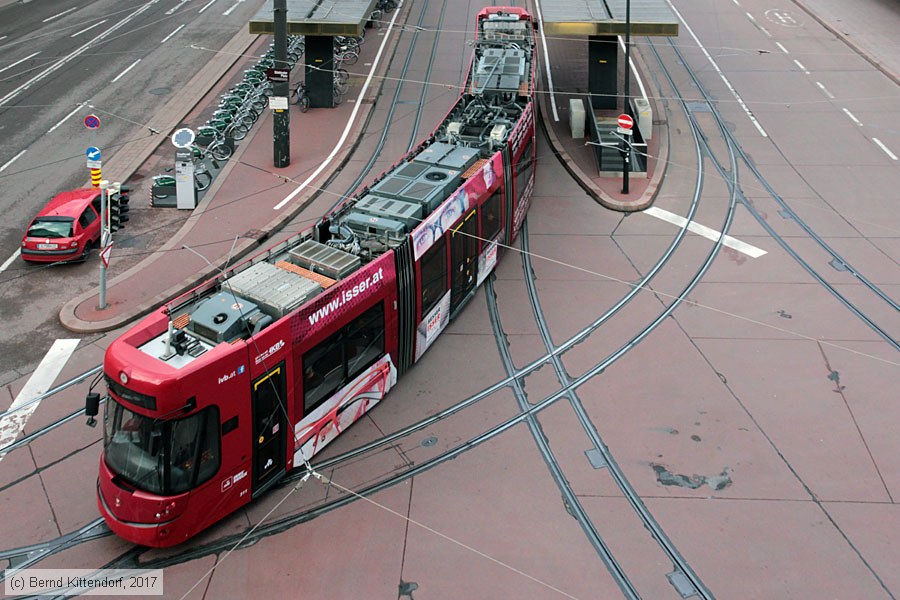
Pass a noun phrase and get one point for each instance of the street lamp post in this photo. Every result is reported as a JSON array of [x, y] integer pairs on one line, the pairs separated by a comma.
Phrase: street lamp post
[[626, 145]]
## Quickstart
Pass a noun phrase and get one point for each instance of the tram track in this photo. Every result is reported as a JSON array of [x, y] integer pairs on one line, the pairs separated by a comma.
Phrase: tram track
[[779, 200], [736, 150], [131, 558]]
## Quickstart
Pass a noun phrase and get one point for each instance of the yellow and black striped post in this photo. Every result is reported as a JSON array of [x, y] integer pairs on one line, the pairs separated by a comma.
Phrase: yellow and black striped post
[[95, 178]]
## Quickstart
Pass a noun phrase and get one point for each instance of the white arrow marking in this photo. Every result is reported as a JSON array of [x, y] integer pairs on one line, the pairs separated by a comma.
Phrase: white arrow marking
[[14, 420]]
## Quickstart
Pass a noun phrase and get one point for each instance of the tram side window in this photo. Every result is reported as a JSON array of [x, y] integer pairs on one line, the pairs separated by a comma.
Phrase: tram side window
[[490, 217], [343, 356], [434, 275], [322, 371], [194, 448], [365, 340], [524, 168]]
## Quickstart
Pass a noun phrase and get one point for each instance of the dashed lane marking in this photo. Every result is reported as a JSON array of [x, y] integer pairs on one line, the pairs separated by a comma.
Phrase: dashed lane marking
[[11, 161], [885, 148], [19, 62]]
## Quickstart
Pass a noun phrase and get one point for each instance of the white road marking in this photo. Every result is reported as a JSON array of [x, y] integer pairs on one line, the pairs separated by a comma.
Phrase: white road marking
[[230, 10], [764, 30], [547, 66], [65, 12], [10, 260], [46, 72], [168, 37], [885, 148], [12, 160], [783, 49], [824, 89], [707, 232], [734, 93], [130, 67], [14, 420], [350, 121], [3, 37], [19, 62], [799, 64], [852, 118], [176, 7], [207, 5], [65, 118], [89, 28], [749, 16]]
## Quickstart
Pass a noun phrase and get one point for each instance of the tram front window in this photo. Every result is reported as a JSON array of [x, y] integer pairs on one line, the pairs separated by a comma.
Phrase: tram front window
[[133, 447], [161, 457]]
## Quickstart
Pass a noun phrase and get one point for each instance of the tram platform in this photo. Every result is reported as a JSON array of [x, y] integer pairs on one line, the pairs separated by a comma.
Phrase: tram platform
[[237, 216]]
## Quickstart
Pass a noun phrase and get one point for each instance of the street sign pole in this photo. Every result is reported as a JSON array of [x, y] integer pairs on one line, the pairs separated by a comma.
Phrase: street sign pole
[[626, 147], [281, 119], [104, 238]]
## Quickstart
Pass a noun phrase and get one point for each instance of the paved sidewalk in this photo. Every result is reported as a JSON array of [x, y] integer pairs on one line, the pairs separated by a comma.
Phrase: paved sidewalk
[[228, 224]]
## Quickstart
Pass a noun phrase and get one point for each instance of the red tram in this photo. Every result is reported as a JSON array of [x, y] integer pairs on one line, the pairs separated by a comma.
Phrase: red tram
[[216, 395]]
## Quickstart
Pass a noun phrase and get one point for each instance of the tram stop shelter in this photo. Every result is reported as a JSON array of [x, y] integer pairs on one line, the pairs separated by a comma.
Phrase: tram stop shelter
[[602, 22], [319, 21]]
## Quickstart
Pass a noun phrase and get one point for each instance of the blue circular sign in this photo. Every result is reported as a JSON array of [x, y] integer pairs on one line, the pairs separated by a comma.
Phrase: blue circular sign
[[93, 153], [92, 121]]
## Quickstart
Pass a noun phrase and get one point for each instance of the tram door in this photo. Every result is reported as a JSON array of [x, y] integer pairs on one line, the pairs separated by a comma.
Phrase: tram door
[[269, 427], [463, 260]]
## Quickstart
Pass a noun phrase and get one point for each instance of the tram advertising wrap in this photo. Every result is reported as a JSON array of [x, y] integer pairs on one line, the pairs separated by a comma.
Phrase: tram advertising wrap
[[217, 395]]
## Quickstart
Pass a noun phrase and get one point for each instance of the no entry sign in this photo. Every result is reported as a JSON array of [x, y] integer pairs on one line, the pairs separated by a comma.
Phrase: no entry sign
[[625, 121]]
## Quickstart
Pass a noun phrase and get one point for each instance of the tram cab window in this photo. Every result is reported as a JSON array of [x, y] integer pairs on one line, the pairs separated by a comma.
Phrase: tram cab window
[[434, 274], [161, 457], [490, 217], [342, 356]]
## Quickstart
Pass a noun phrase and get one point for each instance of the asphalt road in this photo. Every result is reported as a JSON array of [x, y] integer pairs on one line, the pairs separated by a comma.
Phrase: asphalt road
[[61, 62]]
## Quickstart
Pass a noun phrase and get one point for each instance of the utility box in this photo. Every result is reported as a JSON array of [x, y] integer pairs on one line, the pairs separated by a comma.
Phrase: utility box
[[576, 117], [644, 115]]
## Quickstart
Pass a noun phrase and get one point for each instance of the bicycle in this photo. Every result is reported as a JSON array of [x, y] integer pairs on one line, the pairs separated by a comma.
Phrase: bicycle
[[346, 54], [218, 148], [301, 97], [164, 184]]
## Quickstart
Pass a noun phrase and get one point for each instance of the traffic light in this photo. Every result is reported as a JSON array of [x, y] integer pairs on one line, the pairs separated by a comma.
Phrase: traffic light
[[118, 208]]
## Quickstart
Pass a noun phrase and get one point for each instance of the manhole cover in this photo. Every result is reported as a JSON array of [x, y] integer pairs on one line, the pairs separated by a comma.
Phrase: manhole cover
[[429, 441], [160, 91]]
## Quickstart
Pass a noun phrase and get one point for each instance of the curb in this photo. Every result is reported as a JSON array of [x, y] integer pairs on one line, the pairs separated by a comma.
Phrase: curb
[[587, 183], [72, 322]]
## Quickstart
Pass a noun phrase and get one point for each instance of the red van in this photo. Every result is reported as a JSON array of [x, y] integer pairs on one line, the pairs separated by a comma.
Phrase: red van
[[66, 229]]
